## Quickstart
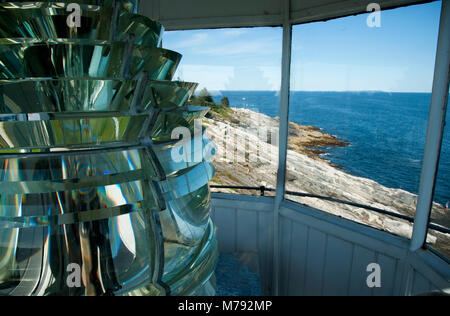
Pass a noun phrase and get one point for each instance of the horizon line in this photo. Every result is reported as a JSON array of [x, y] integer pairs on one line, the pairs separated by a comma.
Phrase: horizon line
[[379, 91]]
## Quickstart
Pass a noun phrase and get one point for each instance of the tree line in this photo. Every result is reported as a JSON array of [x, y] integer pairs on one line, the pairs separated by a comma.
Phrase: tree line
[[204, 98]]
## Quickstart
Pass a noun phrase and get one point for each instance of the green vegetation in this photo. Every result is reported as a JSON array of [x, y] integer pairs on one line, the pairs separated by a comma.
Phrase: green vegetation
[[225, 101], [218, 110], [205, 96]]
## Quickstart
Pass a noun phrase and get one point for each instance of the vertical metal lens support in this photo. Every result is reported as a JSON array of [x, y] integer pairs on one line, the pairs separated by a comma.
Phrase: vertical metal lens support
[[128, 55], [158, 239], [136, 104], [283, 141], [135, 6], [436, 124], [115, 20]]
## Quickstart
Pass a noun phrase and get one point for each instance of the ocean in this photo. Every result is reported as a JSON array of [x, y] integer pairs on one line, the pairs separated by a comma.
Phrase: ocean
[[386, 131]]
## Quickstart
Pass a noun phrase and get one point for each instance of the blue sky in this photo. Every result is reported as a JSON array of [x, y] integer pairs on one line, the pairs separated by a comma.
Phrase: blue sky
[[338, 55]]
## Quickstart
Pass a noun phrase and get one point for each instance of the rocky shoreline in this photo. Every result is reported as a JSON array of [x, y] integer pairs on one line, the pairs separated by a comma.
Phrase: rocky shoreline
[[308, 140], [308, 172]]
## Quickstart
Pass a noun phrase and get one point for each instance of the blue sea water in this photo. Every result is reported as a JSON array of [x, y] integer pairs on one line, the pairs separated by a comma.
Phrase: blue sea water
[[386, 131]]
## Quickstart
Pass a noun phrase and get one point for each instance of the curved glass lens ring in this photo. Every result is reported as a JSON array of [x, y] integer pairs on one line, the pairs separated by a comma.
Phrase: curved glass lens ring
[[178, 156], [189, 217], [87, 95], [187, 181], [185, 280], [168, 122], [113, 251], [97, 218], [186, 221], [72, 166], [112, 178], [77, 132], [115, 60], [39, 22], [44, 129], [194, 208], [127, 5]]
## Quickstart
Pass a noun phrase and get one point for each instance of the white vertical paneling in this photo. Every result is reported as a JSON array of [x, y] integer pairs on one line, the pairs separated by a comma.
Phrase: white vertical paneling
[[338, 265], [285, 253], [420, 284], [388, 275], [362, 257], [326, 256], [265, 250], [247, 231], [317, 244], [226, 229], [299, 251], [400, 275], [432, 269]]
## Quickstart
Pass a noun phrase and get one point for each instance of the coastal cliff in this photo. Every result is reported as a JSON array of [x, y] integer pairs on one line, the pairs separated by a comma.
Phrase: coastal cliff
[[241, 130]]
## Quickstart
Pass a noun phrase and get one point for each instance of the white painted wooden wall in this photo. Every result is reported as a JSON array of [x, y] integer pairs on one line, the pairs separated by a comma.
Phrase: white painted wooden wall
[[322, 254]]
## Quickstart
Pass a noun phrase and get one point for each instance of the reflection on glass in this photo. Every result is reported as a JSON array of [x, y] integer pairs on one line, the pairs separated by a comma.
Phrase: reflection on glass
[[239, 73], [440, 214], [359, 113], [77, 60], [91, 201], [125, 5], [40, 21], [89, 95]]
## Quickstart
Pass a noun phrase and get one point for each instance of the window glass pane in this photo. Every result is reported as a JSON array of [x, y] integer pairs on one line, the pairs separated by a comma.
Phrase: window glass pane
[[238, 71], [440, 214], [359, 110]]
